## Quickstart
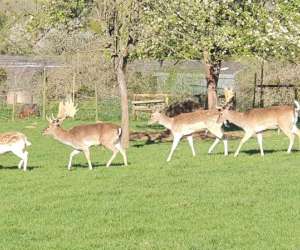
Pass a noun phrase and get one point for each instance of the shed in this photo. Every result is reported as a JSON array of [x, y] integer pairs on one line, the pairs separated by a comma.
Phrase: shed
[[20, 71], [20, 97], [185, 75]]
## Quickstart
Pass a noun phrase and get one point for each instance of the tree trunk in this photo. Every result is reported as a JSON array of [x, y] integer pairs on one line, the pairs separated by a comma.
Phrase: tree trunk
[[212, 77], [121, 69]]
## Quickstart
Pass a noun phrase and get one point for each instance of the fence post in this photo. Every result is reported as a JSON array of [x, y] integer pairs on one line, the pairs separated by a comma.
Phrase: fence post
[[44, 93], [261, 102], [96, 101], [296, 92], [73, 85], [254, 92], [14, 107]]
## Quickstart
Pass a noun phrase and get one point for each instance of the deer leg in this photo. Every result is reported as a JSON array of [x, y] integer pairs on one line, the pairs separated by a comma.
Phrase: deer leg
[[260, 140], [87, 156], [20, 164], [115, 152], [225, 141], [123, 152], [219, 133], [176, 140], [213, 145], [24, 156], [297, 132], [289, 133], [190, 140], [25, 160], [292, 139], [74, 152], [244, 139]]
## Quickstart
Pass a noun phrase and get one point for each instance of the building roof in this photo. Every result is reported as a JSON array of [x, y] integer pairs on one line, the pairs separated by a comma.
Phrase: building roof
[[8, 61], [21, 69], [191, 66]]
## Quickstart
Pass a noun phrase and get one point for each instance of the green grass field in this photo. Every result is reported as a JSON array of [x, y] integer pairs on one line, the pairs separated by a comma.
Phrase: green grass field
[[206, 202]]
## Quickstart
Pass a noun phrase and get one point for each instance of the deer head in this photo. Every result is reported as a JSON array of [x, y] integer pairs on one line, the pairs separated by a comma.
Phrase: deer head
[[155, 116], [229, 95], [66, 109]]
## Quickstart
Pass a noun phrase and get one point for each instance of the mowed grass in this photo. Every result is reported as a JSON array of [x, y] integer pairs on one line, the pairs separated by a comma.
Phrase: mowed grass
[[205, 202]]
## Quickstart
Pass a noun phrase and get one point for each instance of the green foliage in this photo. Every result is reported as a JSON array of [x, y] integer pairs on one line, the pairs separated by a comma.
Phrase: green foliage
[[61, 11], [85, 91], [3, 20], [139, 83], [95, 26], [3, 32], [58, 12], [3, 75], [119, 22], [187, 29], [205, 202]]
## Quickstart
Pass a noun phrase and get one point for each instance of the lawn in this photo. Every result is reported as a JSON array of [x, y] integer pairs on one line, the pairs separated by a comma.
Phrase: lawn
[[205, 202]]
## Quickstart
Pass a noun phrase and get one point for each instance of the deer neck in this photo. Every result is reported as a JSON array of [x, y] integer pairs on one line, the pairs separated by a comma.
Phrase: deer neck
[[63, 136], [166, 121], [237, 118]]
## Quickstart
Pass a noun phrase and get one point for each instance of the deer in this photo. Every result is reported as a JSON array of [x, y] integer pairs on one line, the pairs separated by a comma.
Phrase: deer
[[186, 124], [82, 137], [258, 120], [28, 110], [16, 143]]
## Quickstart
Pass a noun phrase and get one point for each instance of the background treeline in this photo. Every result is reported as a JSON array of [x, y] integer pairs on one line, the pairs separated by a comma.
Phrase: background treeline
[[89, 38]]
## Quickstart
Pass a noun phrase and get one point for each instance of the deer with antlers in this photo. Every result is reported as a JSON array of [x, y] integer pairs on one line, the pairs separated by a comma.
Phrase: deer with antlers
[[188, 123], [257, 120], [82, 137]]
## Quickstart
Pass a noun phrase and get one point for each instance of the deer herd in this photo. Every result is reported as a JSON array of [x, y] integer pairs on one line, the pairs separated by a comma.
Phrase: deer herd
[[82, 137]]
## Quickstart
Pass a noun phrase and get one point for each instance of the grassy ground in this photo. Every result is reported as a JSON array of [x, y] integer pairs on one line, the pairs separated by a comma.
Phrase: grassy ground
[[206, 202]]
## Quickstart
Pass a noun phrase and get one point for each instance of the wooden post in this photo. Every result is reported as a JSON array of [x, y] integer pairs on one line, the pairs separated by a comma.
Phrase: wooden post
[[254, 91], [96, 102], [295, 92], [44, 93], [14, 99], [73, 85], [261, 102], [14, 107]]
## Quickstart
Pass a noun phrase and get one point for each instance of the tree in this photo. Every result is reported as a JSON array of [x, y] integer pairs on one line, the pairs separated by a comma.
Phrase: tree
[[120, 22], [3, 79], [211, 31], [117, 24]]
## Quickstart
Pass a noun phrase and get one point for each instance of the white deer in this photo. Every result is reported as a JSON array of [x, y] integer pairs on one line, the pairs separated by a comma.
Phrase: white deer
[[82, 137], [16, 143], [257, 120], [188, 123]]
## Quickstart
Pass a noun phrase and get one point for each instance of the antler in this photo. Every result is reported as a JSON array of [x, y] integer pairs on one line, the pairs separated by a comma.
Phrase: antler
[[229, 95], [67, 109]]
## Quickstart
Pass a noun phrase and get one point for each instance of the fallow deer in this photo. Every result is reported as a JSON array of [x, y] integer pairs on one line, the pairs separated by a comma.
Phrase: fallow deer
[[16, 143], [257, 120], [28, 110], [188, 123], [82, 137]]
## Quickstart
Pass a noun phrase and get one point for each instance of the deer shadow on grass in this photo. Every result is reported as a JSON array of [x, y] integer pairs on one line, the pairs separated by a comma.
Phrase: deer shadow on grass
[[97, 165], [142, 139], [266, 151], [146, 143], [15, 167]]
